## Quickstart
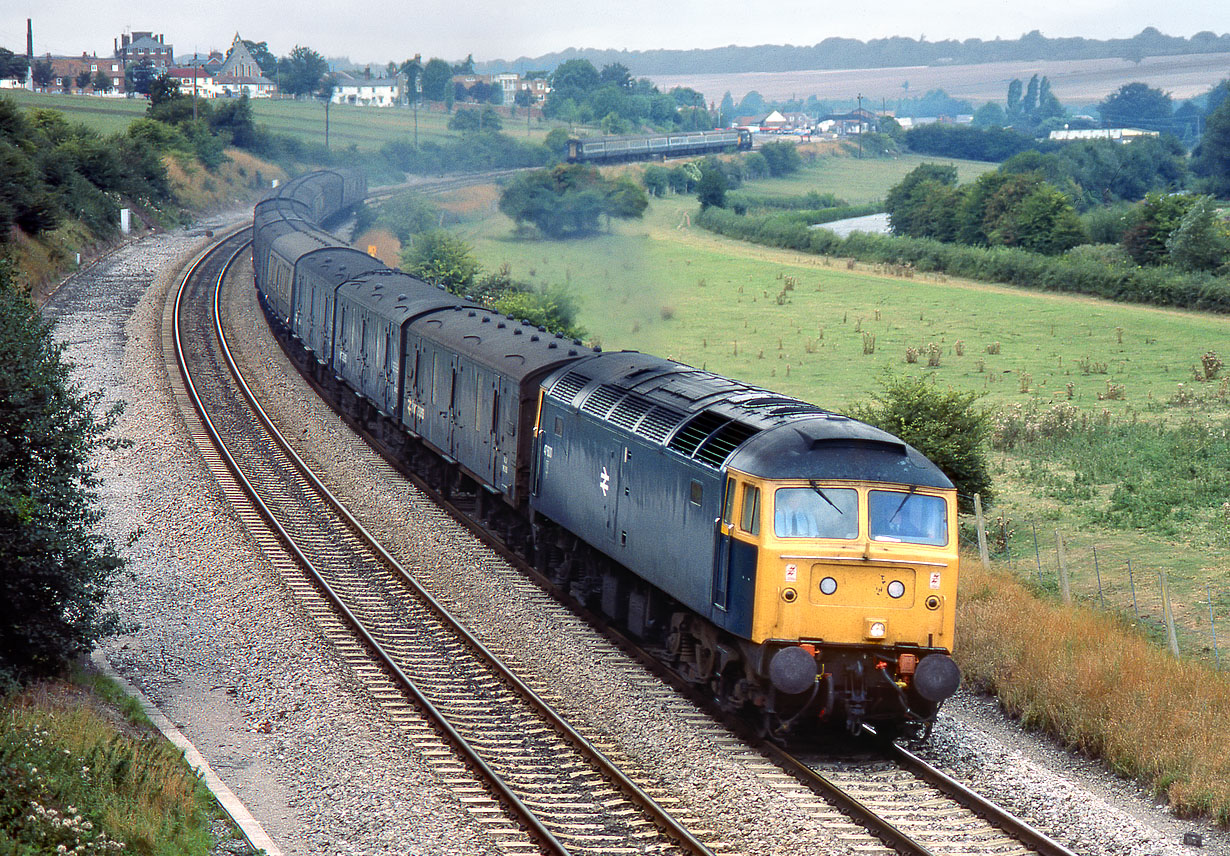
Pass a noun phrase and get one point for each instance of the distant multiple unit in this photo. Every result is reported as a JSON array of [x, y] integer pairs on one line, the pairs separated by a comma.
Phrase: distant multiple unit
[[612, 149], [796, 562]]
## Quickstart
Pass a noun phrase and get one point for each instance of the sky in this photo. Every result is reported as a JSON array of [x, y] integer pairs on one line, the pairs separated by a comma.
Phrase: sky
[[451, 29]]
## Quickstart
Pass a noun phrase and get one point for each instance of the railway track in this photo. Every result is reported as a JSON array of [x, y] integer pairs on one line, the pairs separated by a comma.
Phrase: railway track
[[879, 804], [534, 782]]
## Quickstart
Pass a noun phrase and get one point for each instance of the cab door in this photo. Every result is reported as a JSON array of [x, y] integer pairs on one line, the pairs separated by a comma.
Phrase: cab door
[[722, 548]]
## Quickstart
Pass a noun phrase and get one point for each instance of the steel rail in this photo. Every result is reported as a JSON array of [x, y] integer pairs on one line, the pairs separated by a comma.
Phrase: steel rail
[[1033, 838], [545, 837]]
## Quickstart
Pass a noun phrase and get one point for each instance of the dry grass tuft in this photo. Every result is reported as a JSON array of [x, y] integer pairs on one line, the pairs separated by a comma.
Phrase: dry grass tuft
[[1094, 683]]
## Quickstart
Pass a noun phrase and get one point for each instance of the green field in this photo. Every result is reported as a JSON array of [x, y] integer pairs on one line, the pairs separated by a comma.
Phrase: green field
[[366, 128], [661, 286]]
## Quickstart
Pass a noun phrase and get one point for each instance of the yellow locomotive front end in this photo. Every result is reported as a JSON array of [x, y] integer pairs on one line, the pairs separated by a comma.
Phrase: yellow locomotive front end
[[855, 587]]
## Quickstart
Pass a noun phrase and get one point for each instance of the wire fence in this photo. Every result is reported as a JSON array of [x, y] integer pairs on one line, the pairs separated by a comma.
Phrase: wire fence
[[1092, 569]]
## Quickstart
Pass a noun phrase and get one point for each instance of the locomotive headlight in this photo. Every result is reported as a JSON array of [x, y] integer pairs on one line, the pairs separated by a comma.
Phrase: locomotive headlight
[[876, 629], [896, 589], [828, 585]]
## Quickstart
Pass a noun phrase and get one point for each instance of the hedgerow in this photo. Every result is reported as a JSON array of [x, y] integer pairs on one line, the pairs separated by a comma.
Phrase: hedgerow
[[1074, 272]]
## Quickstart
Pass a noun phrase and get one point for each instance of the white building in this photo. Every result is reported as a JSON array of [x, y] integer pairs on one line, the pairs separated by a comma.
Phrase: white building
[[367, 92], [1123, 135]]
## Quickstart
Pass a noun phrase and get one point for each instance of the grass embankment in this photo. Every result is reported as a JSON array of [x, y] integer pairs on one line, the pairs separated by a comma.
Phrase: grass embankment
[[82, 771], [824, 330], [365, 128], [1100, 688]]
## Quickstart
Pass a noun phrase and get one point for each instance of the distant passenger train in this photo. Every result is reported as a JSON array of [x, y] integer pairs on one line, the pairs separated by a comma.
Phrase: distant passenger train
[[793, 561], [612, 149]]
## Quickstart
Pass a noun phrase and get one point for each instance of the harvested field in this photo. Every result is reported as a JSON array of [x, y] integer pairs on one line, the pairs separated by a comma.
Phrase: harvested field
[[1073, 82]]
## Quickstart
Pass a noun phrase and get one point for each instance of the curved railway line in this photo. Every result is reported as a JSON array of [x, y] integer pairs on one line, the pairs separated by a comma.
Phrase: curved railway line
[[528, 776]]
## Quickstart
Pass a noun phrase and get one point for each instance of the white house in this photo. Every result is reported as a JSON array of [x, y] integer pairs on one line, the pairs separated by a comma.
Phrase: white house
[[365, 92], [1123, 135]]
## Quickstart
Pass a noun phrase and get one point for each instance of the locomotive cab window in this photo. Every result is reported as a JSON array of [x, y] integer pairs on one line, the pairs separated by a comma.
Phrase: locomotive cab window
[[750, 521], [813, 512], [559, 426], [910, 518], [728, 505], [695, 493]]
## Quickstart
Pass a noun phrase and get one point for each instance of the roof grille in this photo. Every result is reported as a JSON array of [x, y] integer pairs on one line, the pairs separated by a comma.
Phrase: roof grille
[[658, 423], [569, 385], [629, 410], [695, 432], [726, 440], [601, 400]]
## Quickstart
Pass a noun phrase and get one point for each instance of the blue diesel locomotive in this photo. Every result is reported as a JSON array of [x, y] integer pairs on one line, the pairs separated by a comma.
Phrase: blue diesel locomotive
[[794, 561]]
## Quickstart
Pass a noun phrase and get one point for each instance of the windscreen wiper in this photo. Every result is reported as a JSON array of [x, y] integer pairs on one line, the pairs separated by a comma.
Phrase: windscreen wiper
[[817, 489]]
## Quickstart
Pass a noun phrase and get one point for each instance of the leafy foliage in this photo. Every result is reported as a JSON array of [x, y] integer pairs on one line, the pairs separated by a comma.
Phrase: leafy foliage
[[968, 141], [1211, 158], [1201, 241], [943, 424], [1159, 216], [570, 199], [54, 565], [580, 93], [711, 191], [301, 72], [1137, 105], [441, 258]]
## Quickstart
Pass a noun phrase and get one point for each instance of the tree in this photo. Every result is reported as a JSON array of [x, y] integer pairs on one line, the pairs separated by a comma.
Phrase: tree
[[990, 115], [437, 79], [83, 79], [1014, 98], [1211, 158], [162, 89], [924, 204], [472, 120], [139, 76], [1160, 215], [726, 111], [711, 189], [42, 73], [466, 66], [101, 82], [55, 566], [1044, 221], [301, 72], [575, 79], [1137, 105], [616, 74], [1202, 240], [1030, 102], [656, 180], [13, 66], [942, 424], [570, 200], [264, 57], [523, 98], [234, 118], [783, 158], [412, 69], [441, 258]]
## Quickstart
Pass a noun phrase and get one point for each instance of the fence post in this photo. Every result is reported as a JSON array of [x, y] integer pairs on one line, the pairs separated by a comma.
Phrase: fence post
[[1003, 530], [982, 532], [1037, 555], [1212, 627], [1096, 570], [1132, 582], [1064, 585], [1169, 614]]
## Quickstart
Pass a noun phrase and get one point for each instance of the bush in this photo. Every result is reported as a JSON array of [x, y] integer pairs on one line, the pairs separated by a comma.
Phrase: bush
[[942, 424], [55, 567], [441, 258]]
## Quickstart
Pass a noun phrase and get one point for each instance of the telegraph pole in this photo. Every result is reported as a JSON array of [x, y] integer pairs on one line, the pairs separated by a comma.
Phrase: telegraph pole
[[860, 125]]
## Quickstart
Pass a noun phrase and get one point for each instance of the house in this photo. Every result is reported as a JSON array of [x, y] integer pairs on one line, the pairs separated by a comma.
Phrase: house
[[854, 122], [774, 123], [366, 91], [748, 123], [66, 69], [144, 46], [240, 74], [194, 80]]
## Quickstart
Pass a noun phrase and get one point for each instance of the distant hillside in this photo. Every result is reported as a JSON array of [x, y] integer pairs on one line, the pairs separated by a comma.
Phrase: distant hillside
[[897, 51]]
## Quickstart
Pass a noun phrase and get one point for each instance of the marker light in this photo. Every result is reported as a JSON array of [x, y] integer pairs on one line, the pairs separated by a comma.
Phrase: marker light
[[896, 589], [828, 585]]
